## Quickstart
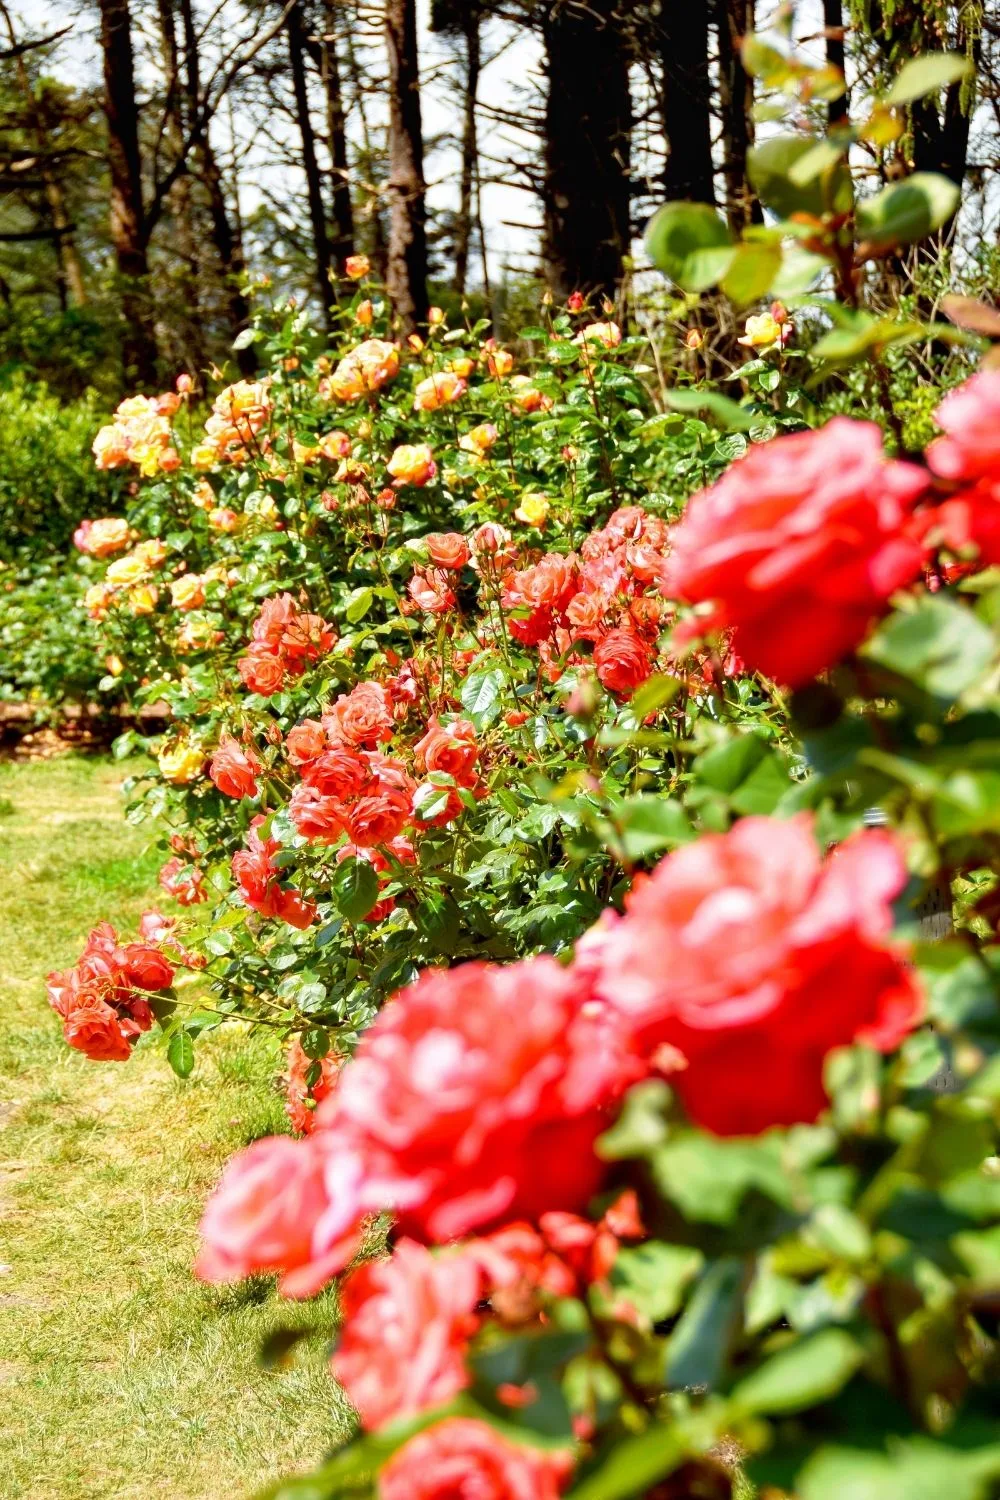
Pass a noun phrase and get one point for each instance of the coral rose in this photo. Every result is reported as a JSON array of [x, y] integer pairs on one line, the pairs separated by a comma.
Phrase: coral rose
[[450, 748], [305, 742], [775, 958], [262, 672], [430, 591], [364, 370], [622, 661], [362, 717], [184, 882], [447, 549], [357, 267], [462, 1459], [301, 1097], [407, 1325], [267, 1215], [235, 770], [970, 419], [93, 1028], [799, 547]]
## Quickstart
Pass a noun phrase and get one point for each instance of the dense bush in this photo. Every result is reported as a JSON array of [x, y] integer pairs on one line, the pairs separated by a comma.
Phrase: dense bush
[[48, 647], [48, 482]]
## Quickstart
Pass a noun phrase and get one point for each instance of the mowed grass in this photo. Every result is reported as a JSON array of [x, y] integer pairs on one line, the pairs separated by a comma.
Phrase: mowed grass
[[120, 1375]]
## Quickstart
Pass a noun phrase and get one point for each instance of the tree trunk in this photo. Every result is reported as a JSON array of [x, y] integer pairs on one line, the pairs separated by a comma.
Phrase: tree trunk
[[588, 127], [734, 19], [682, 42], [227, 243], [463, 224], [189, 319], [833, 24], [139, 352], [343, 207], [295, 31], [406, 267]]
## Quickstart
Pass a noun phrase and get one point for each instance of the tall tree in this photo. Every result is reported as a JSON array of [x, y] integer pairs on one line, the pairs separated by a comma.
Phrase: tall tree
[[733, 20], [189, 317], [128, 236], [225, 237], [464, 18], [336, 130], [406, 259], [681, 37], [834, 31], [296, 33], [587, 145]]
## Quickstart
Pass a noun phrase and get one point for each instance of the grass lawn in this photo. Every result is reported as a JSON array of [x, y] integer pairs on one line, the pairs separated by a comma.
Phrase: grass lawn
[[120, 1375]]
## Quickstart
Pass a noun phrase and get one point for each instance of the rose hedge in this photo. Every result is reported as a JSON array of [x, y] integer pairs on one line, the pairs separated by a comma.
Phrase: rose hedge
[[675, 1129]]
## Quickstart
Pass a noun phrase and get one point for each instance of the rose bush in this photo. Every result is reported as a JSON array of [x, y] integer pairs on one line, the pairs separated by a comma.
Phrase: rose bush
[[611, 1031]]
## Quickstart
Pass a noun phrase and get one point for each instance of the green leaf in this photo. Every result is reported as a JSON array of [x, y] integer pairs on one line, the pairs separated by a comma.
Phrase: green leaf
[[649, 823], [747, 770], [654, 694], [709, 1178], [655, 1276], [699, 1345], [753, 269], [917, 1469], [941, 646], [640, 1126], [634, 1464], [358, 604], [799, 269], [923, 75], [811, 1370], [727, 413], [180, 1054], [480, 697], [770, 168], [906, 211], [315, 1042], [354, 887], [690, 243], [245, 338]]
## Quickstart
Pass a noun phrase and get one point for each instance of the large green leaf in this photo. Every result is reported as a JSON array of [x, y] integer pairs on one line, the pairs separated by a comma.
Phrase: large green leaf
[[690, 243], [480, 696], [770, 167], [906, 211], [654, 1276], [917, 1469], [354, 888], [922, 75], [752, 272], [629, 1468], [941, 646], [727, 413], [699, 1345], [811, 1370]]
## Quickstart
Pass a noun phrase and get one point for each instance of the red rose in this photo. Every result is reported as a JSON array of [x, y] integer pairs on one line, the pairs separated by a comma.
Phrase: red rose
[[449, 748], [775, 959], [407, 1322], [970, 419], [447, 549], [462, 1459], [147, 968], [339, 772], [261, 672], [92, 1027], [235, 770], [379, 818], [622, 661], [266, 1215], [478, 1094], [799, 546], [259, 883], [362, 717]]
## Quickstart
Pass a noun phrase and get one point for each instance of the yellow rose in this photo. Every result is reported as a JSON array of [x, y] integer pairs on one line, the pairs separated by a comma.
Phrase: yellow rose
[[204, 456], [533, 509], [499, 362], [143, 599], [412, 463], [761, 332], [367, 368], [180, 763], [127, 570], [463, 366], [188, 591], [97, 599], [113, 665]]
